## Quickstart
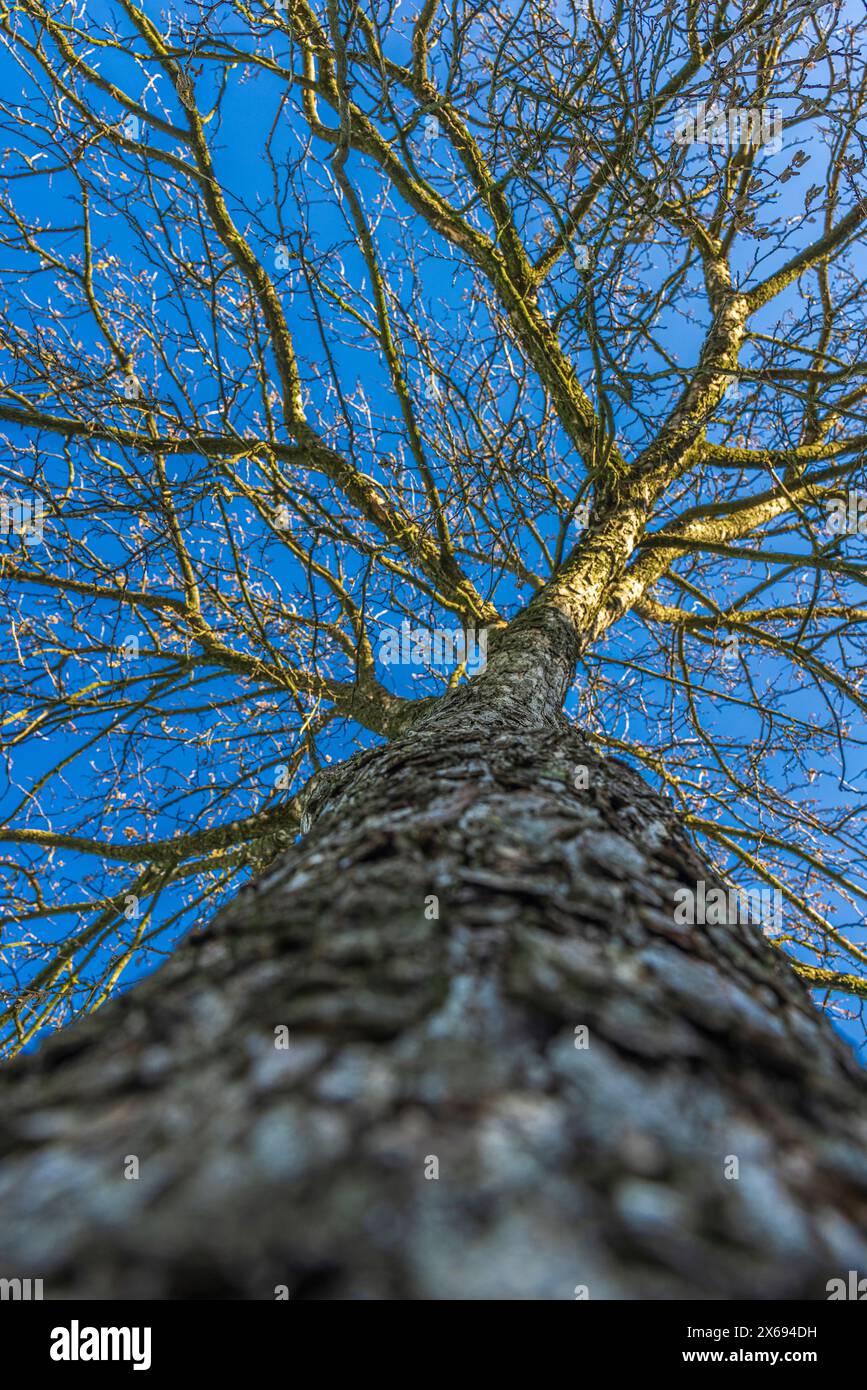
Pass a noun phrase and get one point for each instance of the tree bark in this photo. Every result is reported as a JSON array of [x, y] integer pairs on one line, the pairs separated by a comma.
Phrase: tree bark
[[461, 905]]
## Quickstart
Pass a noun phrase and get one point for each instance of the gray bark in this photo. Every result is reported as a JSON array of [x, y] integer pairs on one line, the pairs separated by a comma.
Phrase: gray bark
[[416, 1037]]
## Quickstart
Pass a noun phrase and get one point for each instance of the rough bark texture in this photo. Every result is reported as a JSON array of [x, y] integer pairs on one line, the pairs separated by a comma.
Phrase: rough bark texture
[[415, 1037]]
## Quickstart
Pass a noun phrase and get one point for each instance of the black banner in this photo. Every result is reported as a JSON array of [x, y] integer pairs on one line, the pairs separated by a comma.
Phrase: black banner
[[84, 1340]]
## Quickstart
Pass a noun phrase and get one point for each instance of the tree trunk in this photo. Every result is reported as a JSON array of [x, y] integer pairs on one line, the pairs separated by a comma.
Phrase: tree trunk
[[463, 916]]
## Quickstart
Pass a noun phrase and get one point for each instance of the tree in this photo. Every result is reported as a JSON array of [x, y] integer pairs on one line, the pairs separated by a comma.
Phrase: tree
[[480, 390]]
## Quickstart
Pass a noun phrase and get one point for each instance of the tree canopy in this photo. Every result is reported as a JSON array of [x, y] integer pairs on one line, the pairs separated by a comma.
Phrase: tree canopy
[[334, 335]]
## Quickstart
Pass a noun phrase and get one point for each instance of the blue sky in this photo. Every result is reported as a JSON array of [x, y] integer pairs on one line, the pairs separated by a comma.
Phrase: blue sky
[[188, 784]]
